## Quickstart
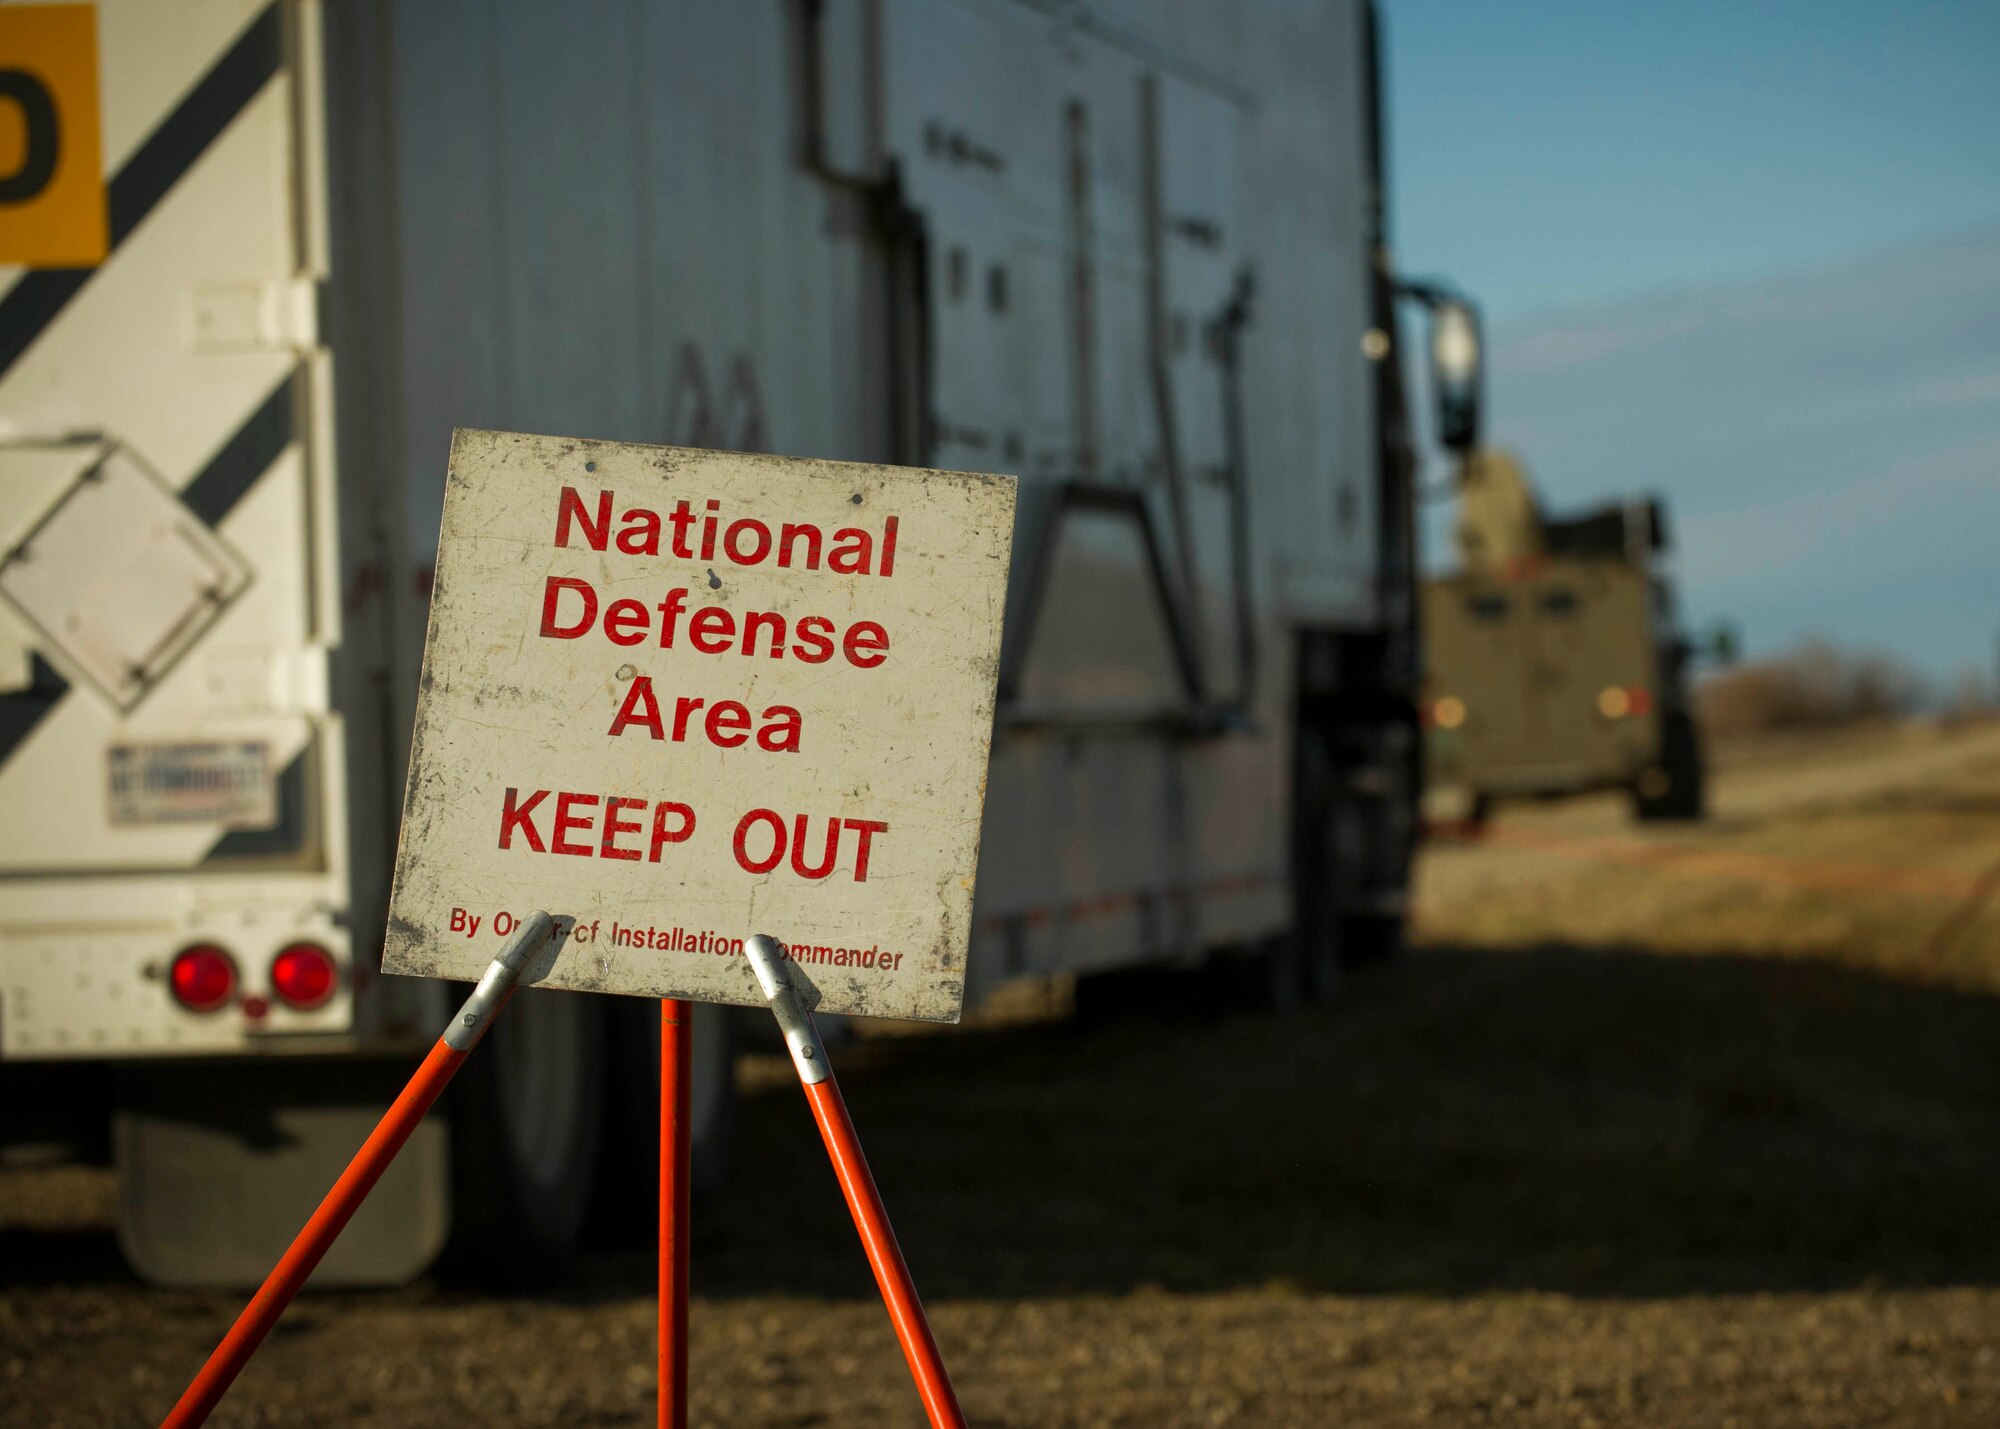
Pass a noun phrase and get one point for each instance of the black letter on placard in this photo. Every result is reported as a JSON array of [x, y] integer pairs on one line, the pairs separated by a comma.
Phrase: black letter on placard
[[43, 136]]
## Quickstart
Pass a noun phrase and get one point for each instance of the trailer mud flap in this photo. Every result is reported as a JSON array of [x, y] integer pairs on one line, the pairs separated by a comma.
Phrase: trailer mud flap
[[217, 1170]]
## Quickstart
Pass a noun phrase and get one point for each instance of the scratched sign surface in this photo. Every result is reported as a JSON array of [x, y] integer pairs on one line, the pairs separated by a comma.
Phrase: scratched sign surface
[[677, 697]]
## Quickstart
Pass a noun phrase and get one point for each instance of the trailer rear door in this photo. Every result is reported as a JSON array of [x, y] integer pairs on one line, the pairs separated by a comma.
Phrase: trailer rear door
[[169, 756]]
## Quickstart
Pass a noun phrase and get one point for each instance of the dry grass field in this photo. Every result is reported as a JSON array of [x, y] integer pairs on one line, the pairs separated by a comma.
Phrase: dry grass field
[[1663, 1127], [1875, 848]]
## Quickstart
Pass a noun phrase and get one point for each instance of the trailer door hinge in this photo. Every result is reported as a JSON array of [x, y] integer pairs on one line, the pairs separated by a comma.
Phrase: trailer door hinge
[[280, 314]]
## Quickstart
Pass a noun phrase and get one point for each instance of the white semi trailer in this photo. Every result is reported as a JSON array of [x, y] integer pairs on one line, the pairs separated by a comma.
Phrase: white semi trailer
[[1131, 250]]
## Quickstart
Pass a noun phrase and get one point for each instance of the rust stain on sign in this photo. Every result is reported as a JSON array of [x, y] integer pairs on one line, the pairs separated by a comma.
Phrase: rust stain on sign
[[678, 697]]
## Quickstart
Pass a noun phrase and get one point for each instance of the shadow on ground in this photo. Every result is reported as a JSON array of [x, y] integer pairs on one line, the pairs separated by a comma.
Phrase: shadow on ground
[[1591, 1121], [61, 1257]]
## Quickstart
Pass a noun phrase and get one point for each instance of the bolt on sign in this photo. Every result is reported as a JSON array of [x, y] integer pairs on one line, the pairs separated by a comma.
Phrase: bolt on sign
[[678, 697], [52, 204]]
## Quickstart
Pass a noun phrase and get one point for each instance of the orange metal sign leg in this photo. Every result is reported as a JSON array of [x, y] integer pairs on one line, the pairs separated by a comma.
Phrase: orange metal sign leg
[[857, 1183], [311, 1243], [676, 1045], [305, 1252], [885, 1257]]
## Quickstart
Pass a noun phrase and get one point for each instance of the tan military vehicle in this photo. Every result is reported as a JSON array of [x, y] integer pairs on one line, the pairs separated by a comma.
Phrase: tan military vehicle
[[1553, 663]]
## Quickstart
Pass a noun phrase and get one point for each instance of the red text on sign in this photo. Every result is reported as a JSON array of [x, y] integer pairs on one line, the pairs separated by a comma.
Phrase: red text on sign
[[763, 838], [593, 825], [570, 610], [726, 725], [746, 541]]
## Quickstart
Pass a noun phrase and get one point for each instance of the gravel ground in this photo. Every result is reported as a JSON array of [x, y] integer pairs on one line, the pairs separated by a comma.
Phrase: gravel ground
[[1539, 1171], [1143, 1358]]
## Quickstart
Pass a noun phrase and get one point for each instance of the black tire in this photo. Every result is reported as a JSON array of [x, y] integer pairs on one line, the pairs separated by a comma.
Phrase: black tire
[[628, 1175], [1325, 835], [1275, 978], [1372, 938], [1388, 849], [1675, 788], [1159, 991], [527, 1118]]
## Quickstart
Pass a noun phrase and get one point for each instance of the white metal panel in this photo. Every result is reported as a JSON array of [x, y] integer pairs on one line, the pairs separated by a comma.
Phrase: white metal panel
[[193, 347], [751, 253], [250, 677], [1201, 143], [70, 990], [1101, 642], [1308, 387], [121, 357], [1259, 153], [972, 117], [152, 54], [149, 55], [602, 225], [600, 215], [119, 578]]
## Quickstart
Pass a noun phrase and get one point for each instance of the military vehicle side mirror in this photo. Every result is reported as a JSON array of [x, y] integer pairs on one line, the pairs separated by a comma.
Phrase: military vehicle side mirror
[[1455, 372]]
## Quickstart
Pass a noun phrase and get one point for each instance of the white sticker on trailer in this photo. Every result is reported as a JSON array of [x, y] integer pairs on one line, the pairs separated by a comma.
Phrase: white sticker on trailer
[[228, 783], [680, 697]]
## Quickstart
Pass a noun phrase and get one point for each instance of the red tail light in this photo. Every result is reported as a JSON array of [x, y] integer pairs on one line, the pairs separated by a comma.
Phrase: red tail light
[[303, 976], [1639, 700], [203, 978]]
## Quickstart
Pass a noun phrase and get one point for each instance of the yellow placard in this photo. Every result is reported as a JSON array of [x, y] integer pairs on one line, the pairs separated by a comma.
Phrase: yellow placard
[[52, 204]]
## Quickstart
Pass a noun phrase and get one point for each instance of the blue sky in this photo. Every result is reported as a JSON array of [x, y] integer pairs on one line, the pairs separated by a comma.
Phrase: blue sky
[[1745, 255], [1550, 153]]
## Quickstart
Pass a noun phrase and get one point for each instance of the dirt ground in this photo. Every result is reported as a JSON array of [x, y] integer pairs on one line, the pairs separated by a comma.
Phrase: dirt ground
[[1663, 1127]]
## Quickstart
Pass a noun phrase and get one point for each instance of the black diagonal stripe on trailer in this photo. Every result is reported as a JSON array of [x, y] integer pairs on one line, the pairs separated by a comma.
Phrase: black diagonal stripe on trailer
[[216, 489], [288, 834], [168, 153], [22, 710], [246, 456]]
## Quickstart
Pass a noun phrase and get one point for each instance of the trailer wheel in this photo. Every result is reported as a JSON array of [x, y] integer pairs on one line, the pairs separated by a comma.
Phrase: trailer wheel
[[629, 1169], [526, 1119], [1326, 834], [1385, 844], [1675, 788], [1277, 981]]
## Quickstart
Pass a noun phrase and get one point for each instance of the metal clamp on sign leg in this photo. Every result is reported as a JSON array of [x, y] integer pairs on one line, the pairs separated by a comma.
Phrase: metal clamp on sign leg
[[497, 985], [767, 958]]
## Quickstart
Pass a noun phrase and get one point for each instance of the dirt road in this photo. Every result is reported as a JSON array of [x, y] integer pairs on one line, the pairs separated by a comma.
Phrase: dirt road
[[1877, 848], [1617, 1143]]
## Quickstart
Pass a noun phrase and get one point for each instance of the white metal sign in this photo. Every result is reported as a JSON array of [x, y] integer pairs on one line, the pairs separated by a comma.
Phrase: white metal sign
[[678, 697]]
